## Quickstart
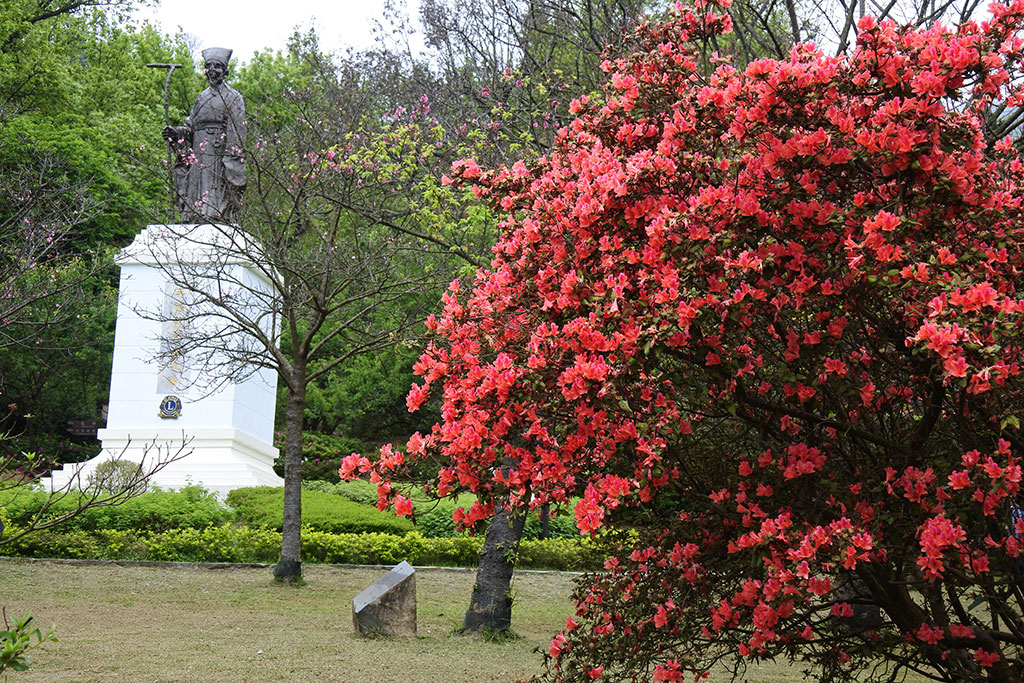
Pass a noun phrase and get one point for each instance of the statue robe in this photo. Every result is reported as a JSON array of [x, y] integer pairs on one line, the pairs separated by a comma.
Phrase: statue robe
[[210, 169]]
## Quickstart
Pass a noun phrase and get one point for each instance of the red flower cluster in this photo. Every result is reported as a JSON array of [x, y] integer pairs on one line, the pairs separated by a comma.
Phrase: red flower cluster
[[774, 307]]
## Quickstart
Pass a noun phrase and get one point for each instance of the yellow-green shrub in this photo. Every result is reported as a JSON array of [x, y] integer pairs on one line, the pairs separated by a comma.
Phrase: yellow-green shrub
[[263, 506], [226, 543]]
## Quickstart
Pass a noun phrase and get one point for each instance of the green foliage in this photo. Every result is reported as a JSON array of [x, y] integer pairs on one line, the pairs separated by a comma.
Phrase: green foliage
[[117, 475], [25, 456], [79, 88], [16, 638], [462, 551], [580, 554], [71, 544], [264, 507], [359, 491], [365, 398], [369, 548], [437, 521], [123, 544], [79, 112], [433, 518], [62, 371], [559, 526], [265, 81], [317, 446], [322, 453], [229, 543], [223, 543], [191, 507]]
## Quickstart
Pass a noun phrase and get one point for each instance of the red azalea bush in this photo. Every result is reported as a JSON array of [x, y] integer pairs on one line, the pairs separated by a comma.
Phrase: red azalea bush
[[787, 299]]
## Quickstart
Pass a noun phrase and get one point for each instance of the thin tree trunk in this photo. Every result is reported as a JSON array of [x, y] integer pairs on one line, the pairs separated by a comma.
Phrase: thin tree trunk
[[490, 608], [289, 568]]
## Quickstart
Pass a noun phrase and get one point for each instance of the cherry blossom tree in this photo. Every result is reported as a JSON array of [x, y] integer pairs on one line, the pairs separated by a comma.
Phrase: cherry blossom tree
[[776, 311]]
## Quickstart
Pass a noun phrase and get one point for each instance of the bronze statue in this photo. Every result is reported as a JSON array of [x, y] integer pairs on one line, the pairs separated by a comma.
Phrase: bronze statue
[[209, 167]]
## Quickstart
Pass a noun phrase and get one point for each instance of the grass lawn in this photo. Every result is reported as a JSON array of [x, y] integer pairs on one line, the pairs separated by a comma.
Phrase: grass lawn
[[189, 624], [175, 623]]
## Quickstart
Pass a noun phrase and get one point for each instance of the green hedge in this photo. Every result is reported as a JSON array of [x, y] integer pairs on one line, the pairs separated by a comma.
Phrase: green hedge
[[226, 543], [191, 507], [322, 454], [434, 518], [263, 507], [438, 522], [359, 490]]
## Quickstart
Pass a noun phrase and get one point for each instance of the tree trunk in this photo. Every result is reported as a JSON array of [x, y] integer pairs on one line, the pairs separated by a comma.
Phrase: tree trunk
[[289, 568], [490, 608]]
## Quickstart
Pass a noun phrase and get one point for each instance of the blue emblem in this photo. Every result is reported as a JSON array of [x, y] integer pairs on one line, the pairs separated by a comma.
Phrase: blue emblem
[[170, 407]]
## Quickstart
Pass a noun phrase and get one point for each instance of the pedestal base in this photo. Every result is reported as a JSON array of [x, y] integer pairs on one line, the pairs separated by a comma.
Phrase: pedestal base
[[217, 459], [160, 401]]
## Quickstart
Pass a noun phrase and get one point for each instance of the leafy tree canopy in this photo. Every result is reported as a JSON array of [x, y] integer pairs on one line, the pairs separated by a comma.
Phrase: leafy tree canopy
[[79, 111], [74, 85]]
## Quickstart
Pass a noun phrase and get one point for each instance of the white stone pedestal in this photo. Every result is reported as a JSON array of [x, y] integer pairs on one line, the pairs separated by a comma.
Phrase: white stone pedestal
[[227, 427]]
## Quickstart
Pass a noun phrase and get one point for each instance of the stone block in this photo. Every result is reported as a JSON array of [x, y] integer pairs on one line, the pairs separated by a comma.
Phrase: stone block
[[388, 606]]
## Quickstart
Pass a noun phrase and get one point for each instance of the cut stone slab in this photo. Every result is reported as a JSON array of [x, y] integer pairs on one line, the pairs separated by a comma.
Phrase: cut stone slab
[[388, 606]]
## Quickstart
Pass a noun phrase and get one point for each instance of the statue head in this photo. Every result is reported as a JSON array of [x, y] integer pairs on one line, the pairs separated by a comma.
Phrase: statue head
[[216, 61]]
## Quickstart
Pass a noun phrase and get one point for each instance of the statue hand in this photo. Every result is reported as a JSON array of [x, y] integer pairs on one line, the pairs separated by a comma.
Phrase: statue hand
[[170, 134]]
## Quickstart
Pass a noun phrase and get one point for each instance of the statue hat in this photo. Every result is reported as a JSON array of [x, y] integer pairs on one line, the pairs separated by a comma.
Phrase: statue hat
[[217, 54]]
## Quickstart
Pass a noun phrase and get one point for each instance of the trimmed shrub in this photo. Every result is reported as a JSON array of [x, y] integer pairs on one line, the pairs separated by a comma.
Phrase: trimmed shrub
[[77, 544], [190, 507], [460, 551], [359, 490], [562, 554], [215, 544], [436, 521], [322, 454], [113, 476], [121, 544], [370, 548], [225, 543], [263, 506]]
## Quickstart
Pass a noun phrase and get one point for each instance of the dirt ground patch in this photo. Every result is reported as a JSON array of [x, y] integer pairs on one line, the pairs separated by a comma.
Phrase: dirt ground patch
[[191, 624]]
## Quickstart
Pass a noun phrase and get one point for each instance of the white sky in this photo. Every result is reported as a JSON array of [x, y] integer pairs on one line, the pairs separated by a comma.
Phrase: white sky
[[246, 26]]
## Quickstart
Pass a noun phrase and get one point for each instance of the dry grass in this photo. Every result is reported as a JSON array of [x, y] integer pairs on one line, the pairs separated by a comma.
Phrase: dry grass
[[188, 624]]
